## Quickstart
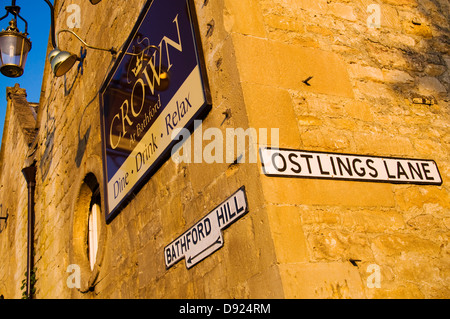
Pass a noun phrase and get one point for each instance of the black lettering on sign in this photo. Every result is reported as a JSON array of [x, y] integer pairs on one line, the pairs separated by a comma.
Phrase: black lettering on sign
[[205, 237], [307, 164]]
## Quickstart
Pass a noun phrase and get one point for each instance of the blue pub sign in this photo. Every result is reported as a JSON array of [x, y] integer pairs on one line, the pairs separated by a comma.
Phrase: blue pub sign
[[157, 86]]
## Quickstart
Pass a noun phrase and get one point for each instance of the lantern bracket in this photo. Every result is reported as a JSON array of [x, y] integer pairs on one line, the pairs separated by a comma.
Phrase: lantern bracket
[[83, 52], [15, 11]]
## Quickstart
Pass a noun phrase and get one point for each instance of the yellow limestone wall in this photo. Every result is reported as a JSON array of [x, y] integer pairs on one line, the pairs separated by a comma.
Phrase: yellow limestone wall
[[359, 101], [17, 136], [302, 238]]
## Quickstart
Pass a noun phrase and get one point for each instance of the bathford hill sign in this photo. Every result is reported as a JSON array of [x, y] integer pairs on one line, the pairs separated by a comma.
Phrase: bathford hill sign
[[148, 94], [205, 237]]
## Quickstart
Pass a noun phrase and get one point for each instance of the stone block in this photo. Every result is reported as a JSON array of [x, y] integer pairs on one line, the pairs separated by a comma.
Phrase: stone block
[[326, 138], [363, 72], [321, 281], [417, 29], [241, 249], [299, 191], [343, 11], [311, 216], [333, 245], [408, 3], [412, 197], [396, 76], [287, 66], [381, 144], [372, 221], [319, 6], [266, 284], [402, 290], [395, 245], [359, 110], [282, 22], [269, 107], [244, 17], [287, 233], [430, 86], [309, 121]]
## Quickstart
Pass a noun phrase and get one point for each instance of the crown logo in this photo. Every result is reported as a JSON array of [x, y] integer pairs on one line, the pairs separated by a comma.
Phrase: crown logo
[[138, 67]]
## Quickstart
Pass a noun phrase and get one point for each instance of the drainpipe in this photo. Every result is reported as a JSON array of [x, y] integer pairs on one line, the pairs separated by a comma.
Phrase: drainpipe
[[30, 176]]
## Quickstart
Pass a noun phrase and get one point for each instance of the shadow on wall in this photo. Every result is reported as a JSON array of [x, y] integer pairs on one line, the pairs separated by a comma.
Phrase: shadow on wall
[[83, 135], [415, 59], [47, 157]]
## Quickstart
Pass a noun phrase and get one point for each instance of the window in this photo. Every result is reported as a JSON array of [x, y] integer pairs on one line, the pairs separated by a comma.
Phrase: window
[[88, 232], [93, 225]]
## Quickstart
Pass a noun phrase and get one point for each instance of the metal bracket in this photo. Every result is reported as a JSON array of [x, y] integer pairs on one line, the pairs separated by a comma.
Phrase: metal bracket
[[83, 52], [6, 221], [307, 81]]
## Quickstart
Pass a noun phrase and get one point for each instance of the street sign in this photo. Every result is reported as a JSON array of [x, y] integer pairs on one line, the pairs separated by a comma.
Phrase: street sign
[[205, 237], [157, 85], [306, 164]]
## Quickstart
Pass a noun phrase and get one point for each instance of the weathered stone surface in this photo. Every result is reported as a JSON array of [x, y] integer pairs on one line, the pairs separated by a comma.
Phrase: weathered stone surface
[[303, 63], [317, 71]]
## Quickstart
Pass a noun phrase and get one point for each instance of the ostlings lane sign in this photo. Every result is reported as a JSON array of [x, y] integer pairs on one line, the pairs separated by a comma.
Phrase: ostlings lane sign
[[148, 94], [320, 165]]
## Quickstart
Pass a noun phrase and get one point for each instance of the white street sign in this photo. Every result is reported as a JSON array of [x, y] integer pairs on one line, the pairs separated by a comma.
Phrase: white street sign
[[205, 237], [306, 164]]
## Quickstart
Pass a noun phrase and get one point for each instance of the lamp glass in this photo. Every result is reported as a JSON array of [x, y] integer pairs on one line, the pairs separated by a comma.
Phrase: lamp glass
[[53, 53], [63, 62], [14, 48]]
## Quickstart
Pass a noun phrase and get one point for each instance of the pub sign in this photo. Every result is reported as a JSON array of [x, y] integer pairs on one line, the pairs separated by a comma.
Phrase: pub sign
[[156, 87]]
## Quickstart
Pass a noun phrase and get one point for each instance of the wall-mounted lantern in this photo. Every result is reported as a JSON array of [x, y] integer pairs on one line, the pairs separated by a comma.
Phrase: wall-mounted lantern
[[15, 45], [62, 61]]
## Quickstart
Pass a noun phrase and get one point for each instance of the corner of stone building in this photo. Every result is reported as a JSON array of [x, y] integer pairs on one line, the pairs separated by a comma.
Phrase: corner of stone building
[[314, 71], [334, 97], [17, 152], [268, 84]]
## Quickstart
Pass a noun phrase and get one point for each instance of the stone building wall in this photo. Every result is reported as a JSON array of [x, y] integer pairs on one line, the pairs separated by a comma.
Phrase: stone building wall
[[329, 81], [18, 136], [367, 95]]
